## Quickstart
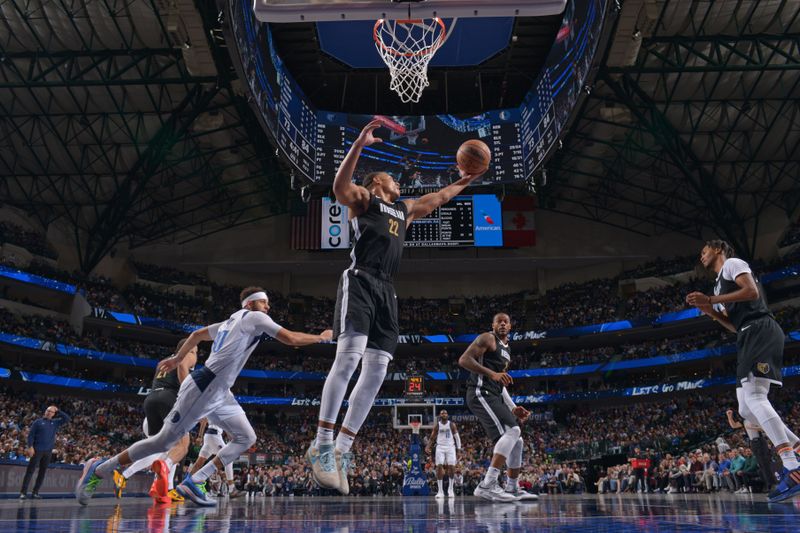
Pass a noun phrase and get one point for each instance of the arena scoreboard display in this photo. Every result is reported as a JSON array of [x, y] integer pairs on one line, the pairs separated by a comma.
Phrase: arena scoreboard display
[[464, 221], [415, 387], [419, 150]]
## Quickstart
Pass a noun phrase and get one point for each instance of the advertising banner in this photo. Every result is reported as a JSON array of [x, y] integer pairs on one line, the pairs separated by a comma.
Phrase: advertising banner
[[334, 230]]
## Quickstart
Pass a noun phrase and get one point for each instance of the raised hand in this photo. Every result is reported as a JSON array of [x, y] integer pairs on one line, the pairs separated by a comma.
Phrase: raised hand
[[366, 138], [470, 177]]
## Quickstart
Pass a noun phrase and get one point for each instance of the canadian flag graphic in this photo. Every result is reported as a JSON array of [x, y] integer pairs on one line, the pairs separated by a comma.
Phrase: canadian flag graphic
[[519, 228]]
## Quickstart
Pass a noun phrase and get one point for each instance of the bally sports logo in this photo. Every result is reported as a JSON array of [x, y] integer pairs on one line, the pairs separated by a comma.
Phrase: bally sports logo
[[335, 232]]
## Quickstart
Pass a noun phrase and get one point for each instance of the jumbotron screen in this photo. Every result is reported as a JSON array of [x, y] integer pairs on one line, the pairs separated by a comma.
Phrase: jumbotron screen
[[420, 151]]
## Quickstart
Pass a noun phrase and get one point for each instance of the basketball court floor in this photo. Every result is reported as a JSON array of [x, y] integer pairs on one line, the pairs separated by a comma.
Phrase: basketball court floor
[[615, 513]]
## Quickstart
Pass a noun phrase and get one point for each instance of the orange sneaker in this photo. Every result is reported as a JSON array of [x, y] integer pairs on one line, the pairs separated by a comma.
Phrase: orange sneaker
[[159, 490]]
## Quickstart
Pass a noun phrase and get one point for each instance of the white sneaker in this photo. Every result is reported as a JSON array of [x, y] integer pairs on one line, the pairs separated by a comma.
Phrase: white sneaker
[[343, 462], [451, 494], [520, 495], [493, 493], [323, 466], [440, 495]]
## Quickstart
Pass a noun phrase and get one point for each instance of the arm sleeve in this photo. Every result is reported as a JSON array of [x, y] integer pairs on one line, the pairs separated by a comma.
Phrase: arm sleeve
[[734, 267], [261, 323], [457, 438], [507, 399]]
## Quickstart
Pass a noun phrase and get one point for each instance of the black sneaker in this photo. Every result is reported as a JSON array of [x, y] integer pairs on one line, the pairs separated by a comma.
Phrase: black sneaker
[[36, 496], [22, 496]]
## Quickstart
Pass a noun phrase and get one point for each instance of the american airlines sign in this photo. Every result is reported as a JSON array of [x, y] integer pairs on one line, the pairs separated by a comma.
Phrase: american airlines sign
[[335, 228]]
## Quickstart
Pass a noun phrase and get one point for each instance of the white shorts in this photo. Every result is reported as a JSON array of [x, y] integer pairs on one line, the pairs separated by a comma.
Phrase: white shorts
[[445, 456], [212, 444], [215, 403]]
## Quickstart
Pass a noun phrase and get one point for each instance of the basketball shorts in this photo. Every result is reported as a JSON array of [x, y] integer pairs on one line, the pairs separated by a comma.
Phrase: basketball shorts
[[445, 455], [212, 443], [366, 303], [491, 411], [202, 395], [157, 406], [759, 347]]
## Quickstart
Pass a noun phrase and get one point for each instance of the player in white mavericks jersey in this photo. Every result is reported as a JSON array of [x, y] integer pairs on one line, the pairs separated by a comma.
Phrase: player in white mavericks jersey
[[212, 444], [445, 436], [206, 393]]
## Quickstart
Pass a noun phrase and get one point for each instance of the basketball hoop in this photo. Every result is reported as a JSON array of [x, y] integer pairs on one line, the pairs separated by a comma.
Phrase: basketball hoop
[[415, 425], [407, 46]]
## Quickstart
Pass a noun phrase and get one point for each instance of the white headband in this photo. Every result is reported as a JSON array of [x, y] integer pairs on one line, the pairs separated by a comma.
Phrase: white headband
[[255, 296]]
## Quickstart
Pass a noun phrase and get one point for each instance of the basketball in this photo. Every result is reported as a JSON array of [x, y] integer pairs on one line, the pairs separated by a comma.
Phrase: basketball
[[473, 157]]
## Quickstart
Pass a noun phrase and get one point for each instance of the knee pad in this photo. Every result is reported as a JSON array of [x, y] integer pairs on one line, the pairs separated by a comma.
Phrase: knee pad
[[505, 444], [515, 459]]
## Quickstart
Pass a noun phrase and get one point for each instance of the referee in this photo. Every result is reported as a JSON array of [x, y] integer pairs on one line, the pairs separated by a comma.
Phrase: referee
[[41, 439]]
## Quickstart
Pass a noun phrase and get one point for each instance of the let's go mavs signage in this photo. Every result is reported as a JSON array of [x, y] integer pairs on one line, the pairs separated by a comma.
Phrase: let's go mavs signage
[[335, 227]]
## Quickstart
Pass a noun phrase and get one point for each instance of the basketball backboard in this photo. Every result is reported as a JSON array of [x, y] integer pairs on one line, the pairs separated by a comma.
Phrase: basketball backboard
[[342, 10]]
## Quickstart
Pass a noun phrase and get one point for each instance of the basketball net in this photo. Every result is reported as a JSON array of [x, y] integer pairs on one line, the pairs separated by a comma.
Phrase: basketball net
[[415, 427], [407, 46]]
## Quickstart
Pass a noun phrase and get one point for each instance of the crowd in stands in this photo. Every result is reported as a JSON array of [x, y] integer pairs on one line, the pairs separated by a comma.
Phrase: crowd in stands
[[168, 275], [176, 306], [34, 242], [96, 427], [673, 426], [443, 359], [662, 267], [725, 464], [569, 305], [532, 357]]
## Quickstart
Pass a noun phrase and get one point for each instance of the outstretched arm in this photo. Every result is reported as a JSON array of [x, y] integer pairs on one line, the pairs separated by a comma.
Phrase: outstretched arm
[[297, 338], [424, 206], [195, 338], [346, 192]]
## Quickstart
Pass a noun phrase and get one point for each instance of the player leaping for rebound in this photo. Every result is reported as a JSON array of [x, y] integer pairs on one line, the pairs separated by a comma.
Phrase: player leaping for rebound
[[365, 316], [487, 360], [206, 393]]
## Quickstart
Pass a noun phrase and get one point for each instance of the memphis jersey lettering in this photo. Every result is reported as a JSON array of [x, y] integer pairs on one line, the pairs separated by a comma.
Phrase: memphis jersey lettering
[[391, 211]]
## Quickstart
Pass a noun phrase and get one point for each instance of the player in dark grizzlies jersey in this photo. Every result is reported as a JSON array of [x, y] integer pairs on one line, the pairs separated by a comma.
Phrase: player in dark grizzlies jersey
[[738, 305], [487, 360], [157, 405], [365, 317]]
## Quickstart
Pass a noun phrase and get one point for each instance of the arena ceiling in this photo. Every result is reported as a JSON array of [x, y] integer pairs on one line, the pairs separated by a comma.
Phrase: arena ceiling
[[125, 121], [691, 123]]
